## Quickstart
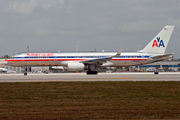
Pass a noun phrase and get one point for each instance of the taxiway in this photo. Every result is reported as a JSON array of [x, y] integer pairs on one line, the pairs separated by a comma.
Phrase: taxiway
[[73, 77]]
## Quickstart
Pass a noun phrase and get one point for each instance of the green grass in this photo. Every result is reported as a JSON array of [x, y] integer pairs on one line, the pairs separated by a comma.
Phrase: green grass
[[90, 100]]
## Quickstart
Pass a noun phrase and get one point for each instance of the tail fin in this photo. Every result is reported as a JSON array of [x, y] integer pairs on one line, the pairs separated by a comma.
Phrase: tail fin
[[159, 43]]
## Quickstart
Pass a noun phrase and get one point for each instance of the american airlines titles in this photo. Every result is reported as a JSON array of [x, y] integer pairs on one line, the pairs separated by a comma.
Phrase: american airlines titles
[[39, 54]]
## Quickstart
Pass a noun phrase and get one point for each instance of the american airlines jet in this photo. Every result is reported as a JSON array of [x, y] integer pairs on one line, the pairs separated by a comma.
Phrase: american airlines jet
[[153, 52]]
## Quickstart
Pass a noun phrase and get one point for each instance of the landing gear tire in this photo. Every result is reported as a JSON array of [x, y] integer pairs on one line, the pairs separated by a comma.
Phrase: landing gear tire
[[92, 72], [25, 74], [156, 73]]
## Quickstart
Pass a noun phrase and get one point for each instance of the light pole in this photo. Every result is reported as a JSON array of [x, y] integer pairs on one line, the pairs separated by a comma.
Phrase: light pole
[[27, 49]]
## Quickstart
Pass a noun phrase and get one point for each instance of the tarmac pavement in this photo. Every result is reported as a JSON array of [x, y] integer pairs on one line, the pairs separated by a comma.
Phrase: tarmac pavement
[[73, 77]]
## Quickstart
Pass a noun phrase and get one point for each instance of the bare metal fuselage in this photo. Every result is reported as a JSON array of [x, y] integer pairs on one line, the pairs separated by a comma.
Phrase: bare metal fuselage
[[62, 59]]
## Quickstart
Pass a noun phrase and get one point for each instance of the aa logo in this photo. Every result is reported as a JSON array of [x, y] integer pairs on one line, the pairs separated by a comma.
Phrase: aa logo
[[158, 43]]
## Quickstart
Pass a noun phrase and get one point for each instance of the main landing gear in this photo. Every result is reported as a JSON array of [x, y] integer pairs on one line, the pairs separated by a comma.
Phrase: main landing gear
[[91, 70]]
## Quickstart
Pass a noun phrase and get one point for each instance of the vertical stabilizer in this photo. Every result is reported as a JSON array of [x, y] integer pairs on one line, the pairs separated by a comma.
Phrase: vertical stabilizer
[[159, 43]]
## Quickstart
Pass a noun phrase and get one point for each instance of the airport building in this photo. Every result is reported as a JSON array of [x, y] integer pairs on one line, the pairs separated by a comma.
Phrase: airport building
[[12, 69], [22, 69], [165, 66]]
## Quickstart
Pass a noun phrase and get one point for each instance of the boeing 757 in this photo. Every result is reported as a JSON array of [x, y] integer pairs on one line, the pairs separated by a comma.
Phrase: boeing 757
[[153, 52]]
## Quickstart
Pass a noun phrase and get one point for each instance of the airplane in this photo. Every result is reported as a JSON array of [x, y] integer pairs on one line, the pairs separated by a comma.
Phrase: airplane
[[153, 52]]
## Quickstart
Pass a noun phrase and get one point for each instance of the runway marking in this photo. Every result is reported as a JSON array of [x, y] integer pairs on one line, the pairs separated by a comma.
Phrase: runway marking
[[76, 80]]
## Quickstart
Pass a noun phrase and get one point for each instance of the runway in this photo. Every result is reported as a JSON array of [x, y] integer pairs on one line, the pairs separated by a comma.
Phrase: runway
[[73, 77]]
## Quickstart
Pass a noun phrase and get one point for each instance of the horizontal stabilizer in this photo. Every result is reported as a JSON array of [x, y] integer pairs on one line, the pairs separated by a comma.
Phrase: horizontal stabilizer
[[162, 57]]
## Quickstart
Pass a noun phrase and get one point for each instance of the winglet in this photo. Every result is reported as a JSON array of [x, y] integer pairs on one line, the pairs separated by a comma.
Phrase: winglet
[[119, 52]]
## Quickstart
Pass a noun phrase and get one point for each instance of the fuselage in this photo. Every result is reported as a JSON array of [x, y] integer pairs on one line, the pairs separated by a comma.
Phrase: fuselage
[[62, 59]]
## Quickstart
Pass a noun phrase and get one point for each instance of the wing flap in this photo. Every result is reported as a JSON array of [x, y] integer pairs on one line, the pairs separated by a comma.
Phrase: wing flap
[[98, 61]]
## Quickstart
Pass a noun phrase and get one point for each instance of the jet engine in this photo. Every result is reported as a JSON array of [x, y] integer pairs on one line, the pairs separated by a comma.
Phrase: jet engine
[[76, 67]]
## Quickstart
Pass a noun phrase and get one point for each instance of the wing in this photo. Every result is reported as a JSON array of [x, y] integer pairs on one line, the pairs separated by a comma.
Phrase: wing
[[100, 61]]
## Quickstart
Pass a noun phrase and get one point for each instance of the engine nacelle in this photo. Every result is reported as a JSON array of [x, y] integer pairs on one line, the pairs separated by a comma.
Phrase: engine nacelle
[[76, 67]]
